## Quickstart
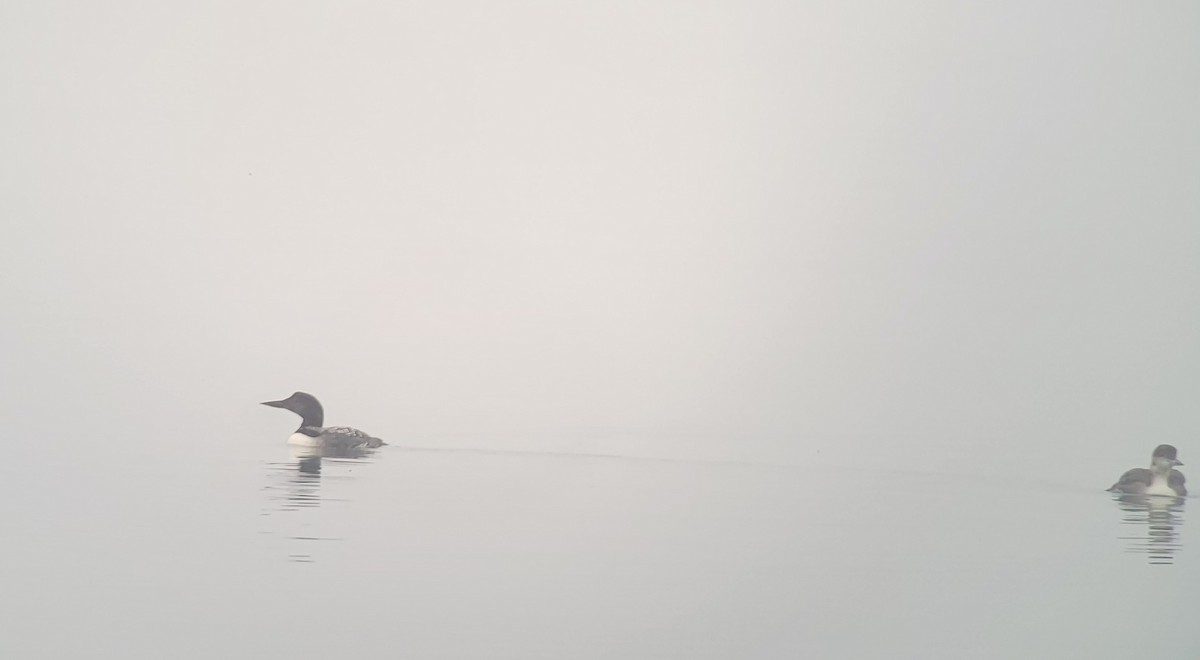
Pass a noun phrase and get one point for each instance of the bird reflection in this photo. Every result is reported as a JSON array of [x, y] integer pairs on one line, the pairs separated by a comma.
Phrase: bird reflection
[[1162, 516], [300, 485], [294, 498], [310, 465]]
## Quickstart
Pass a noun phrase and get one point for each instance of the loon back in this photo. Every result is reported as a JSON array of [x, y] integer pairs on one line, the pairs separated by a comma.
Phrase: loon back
[[340, 437]]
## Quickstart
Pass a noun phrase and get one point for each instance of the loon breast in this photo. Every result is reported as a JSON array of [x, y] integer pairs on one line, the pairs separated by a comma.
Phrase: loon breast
[[301, 440], [1161, 486]]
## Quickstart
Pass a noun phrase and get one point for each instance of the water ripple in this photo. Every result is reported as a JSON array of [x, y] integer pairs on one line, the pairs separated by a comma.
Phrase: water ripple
[[295, 488], [1158, 520]]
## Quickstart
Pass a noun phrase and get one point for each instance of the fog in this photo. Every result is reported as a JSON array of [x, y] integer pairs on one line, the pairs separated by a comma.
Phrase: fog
[[762, 226], [767, 238]]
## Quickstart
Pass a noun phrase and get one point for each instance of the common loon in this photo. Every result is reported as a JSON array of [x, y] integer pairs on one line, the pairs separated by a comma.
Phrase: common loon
[[1160, 479], [312, 434]]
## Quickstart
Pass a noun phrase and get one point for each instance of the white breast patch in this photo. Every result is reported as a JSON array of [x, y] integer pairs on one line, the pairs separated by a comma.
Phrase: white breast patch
[[303, 440]]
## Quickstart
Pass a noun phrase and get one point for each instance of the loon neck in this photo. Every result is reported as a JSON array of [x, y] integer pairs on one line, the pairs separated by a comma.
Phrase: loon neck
[[311, 414], [1160, 470], [311, 417]]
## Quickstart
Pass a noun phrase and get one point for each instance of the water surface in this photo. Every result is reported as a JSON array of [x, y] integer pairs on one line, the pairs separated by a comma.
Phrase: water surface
[[463, 554]]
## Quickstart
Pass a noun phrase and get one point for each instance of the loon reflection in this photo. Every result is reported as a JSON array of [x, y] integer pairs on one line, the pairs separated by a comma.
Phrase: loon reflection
[[302, 477], [1162, 517], [294, 493], [296, 484]]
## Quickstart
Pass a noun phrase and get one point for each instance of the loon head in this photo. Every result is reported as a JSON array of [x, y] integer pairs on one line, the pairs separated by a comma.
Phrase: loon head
[[303, 404], [1165, 451], [1164, 458]]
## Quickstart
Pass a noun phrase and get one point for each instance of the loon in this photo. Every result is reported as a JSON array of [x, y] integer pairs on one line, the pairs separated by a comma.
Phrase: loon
[[1159, 479], [311, 432]]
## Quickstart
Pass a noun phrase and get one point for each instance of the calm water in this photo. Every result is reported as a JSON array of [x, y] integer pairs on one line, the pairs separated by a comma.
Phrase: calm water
[[464, 554]]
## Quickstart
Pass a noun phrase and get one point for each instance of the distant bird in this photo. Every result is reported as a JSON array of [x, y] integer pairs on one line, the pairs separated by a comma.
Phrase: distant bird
[[1160, 479], [312, 434]]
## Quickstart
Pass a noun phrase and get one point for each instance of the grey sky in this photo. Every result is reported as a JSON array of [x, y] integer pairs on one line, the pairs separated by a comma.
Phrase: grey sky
[[771, 224]]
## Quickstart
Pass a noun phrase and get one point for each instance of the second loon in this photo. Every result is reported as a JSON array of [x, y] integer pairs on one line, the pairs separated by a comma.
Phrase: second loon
[[311, 432], [1160, 479]]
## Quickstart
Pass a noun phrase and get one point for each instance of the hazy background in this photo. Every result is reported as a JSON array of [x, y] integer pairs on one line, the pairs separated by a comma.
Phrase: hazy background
[[765, 223], [953, 246], [701, 229]]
